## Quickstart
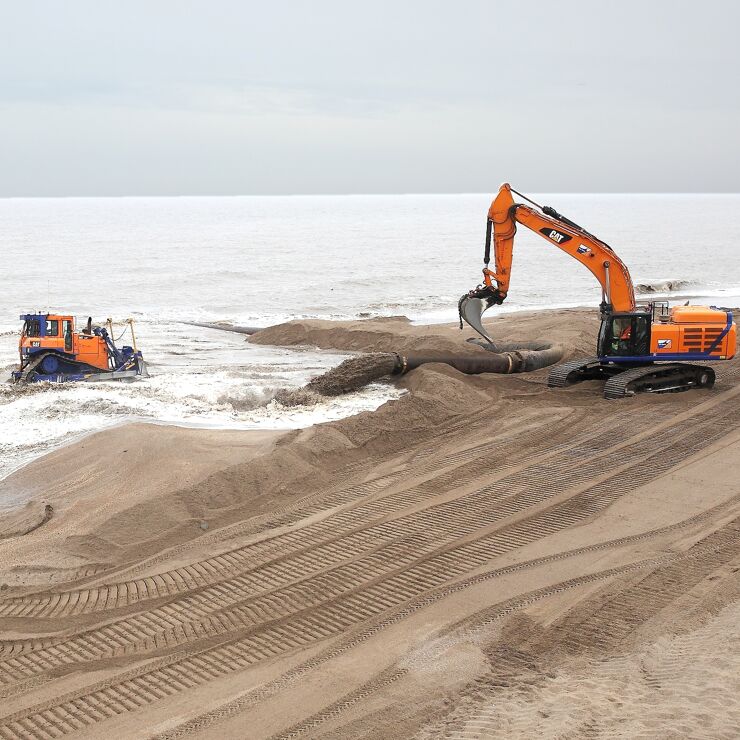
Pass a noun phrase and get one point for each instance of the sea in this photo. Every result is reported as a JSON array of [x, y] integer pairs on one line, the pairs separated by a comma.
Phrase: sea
[[258, 261]]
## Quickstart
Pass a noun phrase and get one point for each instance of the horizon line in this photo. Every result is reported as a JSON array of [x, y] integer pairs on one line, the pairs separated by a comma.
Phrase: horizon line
[[364, 195]]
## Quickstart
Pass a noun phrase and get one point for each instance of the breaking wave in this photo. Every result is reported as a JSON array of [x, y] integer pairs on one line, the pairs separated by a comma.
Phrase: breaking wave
[[665, 286]]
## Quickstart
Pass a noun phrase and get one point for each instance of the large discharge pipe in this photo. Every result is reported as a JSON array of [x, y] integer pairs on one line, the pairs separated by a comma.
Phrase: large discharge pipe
[[357, 372], [508, 358]]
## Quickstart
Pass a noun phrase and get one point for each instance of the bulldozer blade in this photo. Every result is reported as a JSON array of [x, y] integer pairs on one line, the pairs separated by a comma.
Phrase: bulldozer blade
[[471, 309]]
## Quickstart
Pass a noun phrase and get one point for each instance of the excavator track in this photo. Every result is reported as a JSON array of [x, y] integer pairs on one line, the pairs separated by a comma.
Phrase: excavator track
[[669, 378], [574, 371], [621, 383]]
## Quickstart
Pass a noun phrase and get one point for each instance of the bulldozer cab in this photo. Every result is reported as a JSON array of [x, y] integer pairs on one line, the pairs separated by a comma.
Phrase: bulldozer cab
[[43, 326], [625, 335], [52, 350]]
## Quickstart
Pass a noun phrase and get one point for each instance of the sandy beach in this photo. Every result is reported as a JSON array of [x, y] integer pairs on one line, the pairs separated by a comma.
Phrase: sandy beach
[[482, 557]]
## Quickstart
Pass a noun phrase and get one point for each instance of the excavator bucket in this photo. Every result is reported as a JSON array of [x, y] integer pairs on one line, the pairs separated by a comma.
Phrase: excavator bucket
[[474, 303]]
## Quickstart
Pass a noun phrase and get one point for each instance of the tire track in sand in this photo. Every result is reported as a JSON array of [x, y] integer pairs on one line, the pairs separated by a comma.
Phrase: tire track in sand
[[187, 578], [177, 675], [84, 708], [213, 612], [687, 569], [219, 568]]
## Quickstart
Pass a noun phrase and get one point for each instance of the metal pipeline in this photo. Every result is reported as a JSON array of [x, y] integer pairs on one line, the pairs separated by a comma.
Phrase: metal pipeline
[[225, 327]]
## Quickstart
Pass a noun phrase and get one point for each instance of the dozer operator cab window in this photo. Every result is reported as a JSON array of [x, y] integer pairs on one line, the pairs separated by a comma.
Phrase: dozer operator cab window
[[52, 328], [67, 333], [32, 328], [626, 335]]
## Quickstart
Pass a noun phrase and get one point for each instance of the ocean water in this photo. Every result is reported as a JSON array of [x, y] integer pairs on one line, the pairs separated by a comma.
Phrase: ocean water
[[263, 260]]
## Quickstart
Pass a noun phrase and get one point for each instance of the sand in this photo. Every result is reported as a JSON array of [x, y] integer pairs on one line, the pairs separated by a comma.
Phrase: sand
[[483, 557]]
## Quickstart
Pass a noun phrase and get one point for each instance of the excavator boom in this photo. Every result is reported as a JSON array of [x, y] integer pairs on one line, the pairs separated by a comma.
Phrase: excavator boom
[[596, 255]]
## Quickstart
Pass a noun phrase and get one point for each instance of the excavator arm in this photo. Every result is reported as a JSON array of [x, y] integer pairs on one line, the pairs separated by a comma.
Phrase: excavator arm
[[597, 256]]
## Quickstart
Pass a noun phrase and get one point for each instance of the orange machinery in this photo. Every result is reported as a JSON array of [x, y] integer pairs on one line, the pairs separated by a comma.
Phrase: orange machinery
[[52, 349], [639, 348]]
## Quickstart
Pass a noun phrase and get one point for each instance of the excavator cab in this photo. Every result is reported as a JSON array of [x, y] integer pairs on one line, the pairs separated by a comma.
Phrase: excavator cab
[[625, 335]]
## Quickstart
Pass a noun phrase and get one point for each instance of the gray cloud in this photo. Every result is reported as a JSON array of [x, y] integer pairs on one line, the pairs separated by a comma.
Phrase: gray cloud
[[108, 98]]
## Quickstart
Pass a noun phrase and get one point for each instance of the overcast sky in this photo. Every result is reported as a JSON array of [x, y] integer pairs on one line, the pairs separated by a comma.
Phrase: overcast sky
[[214, 97]]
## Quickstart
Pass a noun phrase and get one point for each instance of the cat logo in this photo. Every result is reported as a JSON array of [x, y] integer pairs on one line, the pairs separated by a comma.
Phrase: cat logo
[[556, 236]]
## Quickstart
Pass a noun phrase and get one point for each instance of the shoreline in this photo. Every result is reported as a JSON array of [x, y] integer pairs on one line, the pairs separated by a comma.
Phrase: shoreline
[[445, 325], [26, 485], [383, 574], [381, 334]]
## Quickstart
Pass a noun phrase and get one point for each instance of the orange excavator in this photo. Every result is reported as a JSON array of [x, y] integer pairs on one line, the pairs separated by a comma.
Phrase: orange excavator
[[650, 348]]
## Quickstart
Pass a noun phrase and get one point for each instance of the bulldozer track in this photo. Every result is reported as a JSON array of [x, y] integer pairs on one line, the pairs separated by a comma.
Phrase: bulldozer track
[[335, 710], [263, 579], [306, 507], [600, 628], [238, 604], [396, 551], [323, 501], [149, 684], [331, 620], [692, 564], [505, 608], [233, 562]]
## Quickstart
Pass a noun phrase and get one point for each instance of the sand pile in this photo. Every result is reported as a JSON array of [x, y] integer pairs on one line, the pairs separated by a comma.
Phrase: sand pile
[[483, 556], [23, 521], [136, 474], [575, 328], [353, 373], [152, 500]]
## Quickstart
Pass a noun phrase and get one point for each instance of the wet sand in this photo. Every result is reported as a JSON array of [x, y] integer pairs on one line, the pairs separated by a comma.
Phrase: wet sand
[[483, 557]]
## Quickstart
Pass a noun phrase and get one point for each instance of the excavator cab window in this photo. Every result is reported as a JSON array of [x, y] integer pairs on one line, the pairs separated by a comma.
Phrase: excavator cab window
[[641, 326], [625, 335], [52, 328]]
